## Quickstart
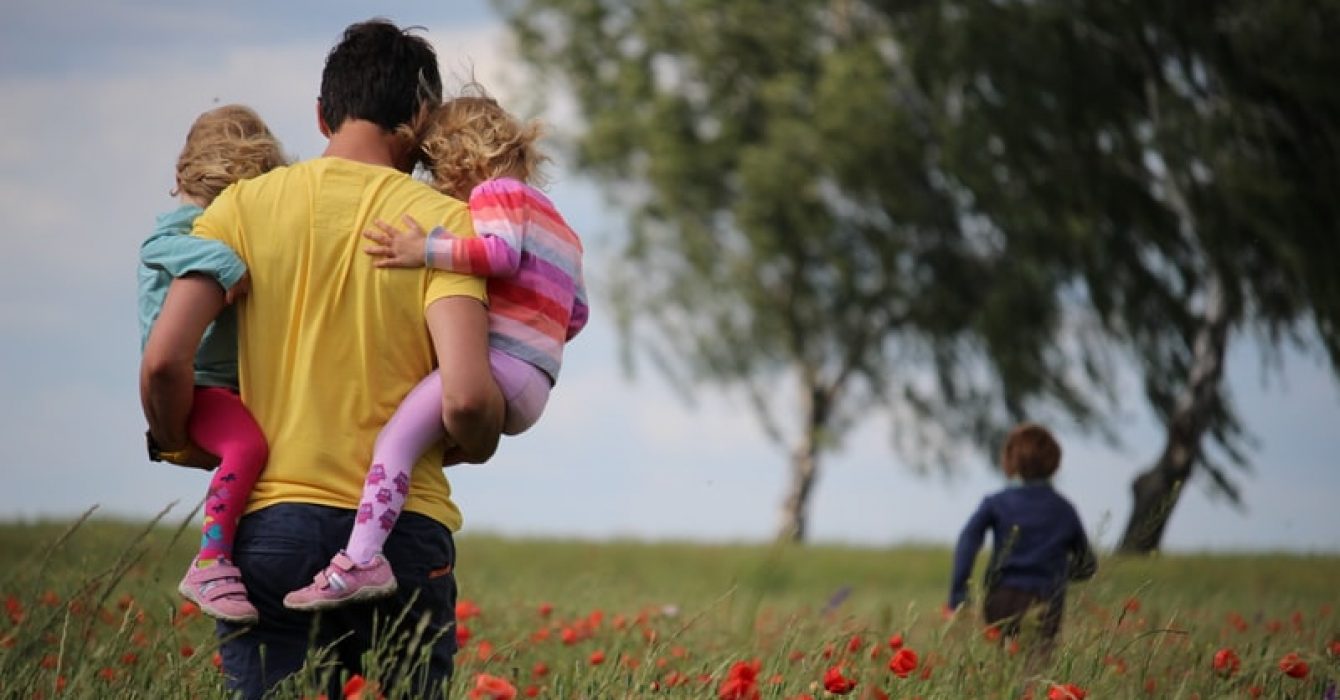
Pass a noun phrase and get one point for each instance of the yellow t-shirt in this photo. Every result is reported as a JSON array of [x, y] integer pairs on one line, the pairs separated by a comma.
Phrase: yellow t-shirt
[[329, 344]]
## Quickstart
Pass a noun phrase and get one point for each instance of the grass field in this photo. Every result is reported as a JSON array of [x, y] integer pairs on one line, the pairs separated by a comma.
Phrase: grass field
[[91, 612]]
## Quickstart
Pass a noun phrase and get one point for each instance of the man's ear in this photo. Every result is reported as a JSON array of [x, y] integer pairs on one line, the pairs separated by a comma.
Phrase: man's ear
[[321, 124]]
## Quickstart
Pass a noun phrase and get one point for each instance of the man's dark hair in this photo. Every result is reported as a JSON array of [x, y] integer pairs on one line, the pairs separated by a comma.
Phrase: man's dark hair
[[380, 73]]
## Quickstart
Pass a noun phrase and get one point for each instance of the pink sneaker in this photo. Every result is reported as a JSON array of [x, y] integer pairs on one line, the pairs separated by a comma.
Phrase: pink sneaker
[[344, 582], [219, 592]]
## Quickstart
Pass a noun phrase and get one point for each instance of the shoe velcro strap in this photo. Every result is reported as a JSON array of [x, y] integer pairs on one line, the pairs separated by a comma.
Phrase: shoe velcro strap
[[223, 588]]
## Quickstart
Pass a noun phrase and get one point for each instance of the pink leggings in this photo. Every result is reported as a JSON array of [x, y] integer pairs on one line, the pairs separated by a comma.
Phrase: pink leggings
[[416, 425], [222, 426]]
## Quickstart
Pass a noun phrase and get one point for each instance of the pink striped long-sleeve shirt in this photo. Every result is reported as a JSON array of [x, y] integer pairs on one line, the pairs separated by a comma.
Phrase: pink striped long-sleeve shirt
[[533, 259]]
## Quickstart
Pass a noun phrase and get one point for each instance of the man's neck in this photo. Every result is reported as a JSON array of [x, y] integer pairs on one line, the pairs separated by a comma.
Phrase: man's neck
[[364, 142]]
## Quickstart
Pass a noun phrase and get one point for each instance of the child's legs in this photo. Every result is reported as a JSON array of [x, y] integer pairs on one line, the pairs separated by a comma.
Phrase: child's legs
[[416, 425], [222, 425], [525, 389], [1005, 607]]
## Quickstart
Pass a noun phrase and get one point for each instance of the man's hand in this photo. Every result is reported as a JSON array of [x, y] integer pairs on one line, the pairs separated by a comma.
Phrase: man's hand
[[192, 455], [239, 290], [397, 248]]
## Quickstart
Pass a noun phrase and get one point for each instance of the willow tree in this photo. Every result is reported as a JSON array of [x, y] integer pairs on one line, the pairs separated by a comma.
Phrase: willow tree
[[791, 234], [1182, 162]]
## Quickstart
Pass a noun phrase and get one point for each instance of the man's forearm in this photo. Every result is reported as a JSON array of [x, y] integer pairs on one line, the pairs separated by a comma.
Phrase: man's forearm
[[166, 393], [167, 372], [472, 406]]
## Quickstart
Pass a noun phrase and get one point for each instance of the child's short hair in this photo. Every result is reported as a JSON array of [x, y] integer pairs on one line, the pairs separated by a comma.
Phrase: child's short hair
[[225, 145], [1031, 452], [471, 138]]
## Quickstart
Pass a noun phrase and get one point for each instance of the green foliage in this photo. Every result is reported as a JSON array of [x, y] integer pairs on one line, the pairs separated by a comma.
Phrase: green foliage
[[1149, 155], [959, 213], [791, 227], [668, 620]]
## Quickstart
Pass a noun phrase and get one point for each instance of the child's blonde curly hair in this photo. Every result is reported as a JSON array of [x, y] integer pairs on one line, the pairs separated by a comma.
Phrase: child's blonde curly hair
[[224, 145], [470, 139]]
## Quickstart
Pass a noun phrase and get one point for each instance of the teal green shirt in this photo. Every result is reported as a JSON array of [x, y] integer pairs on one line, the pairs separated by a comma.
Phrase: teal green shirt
[[172, 252]]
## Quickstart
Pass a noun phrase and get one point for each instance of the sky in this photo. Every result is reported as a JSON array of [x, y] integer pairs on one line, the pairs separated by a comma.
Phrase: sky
[[96, 101]]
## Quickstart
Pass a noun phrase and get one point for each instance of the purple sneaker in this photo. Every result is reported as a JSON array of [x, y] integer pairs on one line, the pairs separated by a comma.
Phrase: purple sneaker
[[219, 592], [344, 582]]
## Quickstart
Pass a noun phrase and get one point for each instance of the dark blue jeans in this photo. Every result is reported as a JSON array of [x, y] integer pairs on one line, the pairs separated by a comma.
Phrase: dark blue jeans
[[280, 548]]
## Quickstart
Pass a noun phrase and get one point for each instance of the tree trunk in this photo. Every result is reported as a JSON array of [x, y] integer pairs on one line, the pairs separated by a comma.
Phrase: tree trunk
[[804, 469], [795, 509], [1157, 490]]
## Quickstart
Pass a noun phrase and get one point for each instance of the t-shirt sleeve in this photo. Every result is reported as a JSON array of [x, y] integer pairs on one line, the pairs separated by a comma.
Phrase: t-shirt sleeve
[[219, 222]]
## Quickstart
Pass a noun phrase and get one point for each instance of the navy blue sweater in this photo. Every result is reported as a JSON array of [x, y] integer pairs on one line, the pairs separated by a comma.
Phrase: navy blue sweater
[[1037, 542]]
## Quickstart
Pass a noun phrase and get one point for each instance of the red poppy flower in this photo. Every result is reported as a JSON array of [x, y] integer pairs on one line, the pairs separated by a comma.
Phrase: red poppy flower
[[674, 678], [597, 657], [532, 691], [1294, 666], [462, 635], [896, 641], [546, 609], [1069, 691], [741, 682], [540, 669], [14, 608], [568, 635], [855, 643], [1226, 662], [903, 662], [991, 633], [836, 683], [466, 609], [489, 687], [353, 688]]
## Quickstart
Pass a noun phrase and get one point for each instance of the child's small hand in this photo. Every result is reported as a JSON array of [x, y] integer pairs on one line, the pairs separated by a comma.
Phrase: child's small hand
[[238, 290], [397, 248]]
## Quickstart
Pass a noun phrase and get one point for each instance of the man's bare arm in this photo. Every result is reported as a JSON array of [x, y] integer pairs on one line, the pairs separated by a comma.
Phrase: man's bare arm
[[472, 406], [167, 371]]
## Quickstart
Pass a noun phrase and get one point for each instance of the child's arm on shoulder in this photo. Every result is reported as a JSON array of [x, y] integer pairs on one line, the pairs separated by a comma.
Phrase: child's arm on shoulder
[[179, 255], [969, 543], [499, 211]]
